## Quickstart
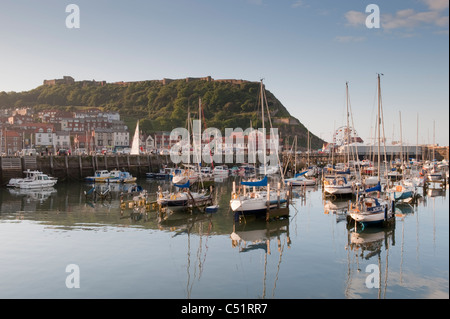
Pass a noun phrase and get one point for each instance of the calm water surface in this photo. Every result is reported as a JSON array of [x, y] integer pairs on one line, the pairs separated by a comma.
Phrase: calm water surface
[[315, 253]]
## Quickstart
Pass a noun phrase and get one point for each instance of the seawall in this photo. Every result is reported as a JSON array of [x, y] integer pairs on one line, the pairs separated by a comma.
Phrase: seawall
[[76, 167]]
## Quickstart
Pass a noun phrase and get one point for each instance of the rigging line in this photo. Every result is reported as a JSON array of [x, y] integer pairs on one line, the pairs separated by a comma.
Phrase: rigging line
[[271, 131], [356, 147], [384, 137]]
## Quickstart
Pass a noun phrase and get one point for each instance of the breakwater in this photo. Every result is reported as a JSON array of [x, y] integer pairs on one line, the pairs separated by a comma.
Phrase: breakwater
[[76, 167]]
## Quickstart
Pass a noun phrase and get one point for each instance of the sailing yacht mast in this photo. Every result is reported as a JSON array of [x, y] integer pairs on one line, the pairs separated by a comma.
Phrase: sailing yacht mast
[[378, 124], [417, 137], [401, 145], [434, 139], [348, 125], [263, 129]]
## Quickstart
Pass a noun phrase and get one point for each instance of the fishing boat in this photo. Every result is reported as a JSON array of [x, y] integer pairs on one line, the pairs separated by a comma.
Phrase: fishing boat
[[100, 176], [39, 180], [117, 176]]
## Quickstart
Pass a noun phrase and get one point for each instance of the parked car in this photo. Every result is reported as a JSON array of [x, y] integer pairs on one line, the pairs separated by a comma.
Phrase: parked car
[[63, 152]]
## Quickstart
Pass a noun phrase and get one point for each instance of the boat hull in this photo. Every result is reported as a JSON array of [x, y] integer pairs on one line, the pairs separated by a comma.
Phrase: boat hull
[[373, 216], [338, 190], [33, 185]]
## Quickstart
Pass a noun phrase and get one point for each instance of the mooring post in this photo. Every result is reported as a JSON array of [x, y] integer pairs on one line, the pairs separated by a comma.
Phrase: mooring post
[[51, 164], [268, 202], [80, 166], [278, 195], [66, 162]]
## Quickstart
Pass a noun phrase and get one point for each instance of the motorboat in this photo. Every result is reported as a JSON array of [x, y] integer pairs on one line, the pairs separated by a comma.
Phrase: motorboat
[[221, 171], [29, 175], [164, 173], [183, 197], [268, 169], [117, 176], [40, 180], [100, 176], [182, 176]]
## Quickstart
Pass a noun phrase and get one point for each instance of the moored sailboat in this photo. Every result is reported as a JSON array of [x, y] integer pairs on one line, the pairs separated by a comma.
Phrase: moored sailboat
[[369, 210]]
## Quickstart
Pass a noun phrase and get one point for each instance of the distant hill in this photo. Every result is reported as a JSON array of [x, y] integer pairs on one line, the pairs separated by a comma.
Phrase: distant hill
[[163, 104]]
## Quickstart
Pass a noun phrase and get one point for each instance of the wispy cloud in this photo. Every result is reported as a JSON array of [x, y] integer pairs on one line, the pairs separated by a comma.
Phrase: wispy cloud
[[407, 18], [437, 5], [355, 18], [298, 3]]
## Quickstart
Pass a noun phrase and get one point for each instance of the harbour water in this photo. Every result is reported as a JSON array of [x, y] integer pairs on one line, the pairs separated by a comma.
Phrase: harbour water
[[315, 253]]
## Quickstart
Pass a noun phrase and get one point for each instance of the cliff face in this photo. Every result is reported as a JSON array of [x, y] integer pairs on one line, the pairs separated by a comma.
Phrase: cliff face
[[162, 105]]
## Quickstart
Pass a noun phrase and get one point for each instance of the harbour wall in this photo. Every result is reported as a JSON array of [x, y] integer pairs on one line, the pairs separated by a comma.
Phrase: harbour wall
[[77, 167]]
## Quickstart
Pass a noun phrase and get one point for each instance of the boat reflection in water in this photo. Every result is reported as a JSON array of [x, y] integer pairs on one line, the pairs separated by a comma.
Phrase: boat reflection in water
[[258, 234], [371, 258], [198, 227], [31, 195], [336, 207]]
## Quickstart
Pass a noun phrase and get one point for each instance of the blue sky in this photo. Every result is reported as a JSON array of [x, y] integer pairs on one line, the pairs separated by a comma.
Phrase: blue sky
[[305, 50]]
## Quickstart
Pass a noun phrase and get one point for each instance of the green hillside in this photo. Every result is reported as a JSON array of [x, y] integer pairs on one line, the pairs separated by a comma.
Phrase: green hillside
[[162, 107]]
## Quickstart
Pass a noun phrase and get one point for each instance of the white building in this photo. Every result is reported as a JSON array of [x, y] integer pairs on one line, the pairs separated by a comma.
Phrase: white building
[[61, 140], [121, 138], [44, 138]]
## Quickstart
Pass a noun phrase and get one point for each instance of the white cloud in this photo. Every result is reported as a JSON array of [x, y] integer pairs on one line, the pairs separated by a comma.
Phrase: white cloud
[[355, 18], [437, 4], [298, 3], [407, 18]]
